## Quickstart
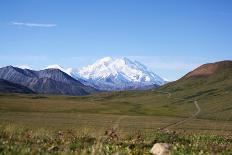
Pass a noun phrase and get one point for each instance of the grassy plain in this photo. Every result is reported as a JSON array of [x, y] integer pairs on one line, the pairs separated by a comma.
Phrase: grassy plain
[[68, 124], [147, 109]]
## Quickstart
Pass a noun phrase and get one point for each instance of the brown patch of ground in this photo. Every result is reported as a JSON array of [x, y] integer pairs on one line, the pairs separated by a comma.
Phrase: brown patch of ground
[[209, 69]]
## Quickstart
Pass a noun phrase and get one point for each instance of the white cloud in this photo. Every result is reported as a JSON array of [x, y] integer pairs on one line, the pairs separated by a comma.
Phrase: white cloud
[[33, 24]]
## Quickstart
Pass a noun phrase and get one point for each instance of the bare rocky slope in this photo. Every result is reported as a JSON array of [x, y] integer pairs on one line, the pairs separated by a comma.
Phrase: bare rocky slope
[[48, 81]]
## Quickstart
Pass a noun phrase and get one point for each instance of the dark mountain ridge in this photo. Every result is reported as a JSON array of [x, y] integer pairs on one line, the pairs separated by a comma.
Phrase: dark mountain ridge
[[9, 87], [48, 81]]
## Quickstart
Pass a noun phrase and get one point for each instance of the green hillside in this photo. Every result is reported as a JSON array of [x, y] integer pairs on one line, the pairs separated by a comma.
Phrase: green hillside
[[212, 91]]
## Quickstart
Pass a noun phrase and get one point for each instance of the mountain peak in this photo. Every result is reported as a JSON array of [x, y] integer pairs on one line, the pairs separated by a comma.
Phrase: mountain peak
[[119, 72], [109, 60], [126, 60], [56, 66], [106, 59]]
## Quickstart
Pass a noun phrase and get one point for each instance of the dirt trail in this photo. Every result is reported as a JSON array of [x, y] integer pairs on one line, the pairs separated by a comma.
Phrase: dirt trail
[[116, 124], [198, 110]]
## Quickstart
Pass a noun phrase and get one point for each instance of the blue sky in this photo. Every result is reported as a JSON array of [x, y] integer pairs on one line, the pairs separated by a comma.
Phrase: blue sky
[[171, 37]]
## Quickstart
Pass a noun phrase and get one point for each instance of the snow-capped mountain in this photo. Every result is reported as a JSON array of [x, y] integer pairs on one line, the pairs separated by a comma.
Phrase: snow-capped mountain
[[118, 74], [55, 66], [114, 74]]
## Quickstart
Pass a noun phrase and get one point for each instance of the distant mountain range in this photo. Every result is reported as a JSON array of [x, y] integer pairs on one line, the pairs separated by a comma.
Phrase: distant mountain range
[[115, 74], [48, 81], [106, 74], [110, 74]]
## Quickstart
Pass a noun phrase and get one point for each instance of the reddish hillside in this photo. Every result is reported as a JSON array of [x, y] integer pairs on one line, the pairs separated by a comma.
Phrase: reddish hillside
[[209, 69]]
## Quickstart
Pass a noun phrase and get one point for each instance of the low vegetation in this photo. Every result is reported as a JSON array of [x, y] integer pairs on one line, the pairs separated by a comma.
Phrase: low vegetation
[[16, 139]]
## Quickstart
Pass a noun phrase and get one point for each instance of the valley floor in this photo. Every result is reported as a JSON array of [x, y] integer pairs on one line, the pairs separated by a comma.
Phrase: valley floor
[[134, 117]]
